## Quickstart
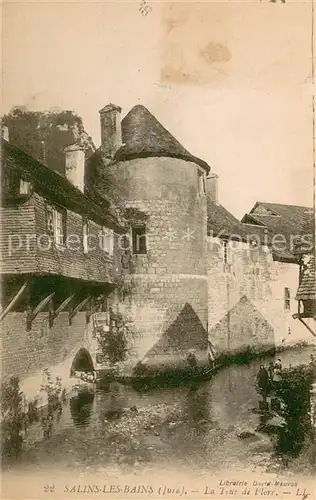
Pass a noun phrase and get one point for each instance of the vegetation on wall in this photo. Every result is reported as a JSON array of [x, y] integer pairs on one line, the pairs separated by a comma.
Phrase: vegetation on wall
[[113, 344]]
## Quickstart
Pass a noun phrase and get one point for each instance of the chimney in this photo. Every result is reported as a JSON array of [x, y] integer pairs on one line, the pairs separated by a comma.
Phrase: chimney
[[5, 132], [212, 188], [111, 133], [75, 165]]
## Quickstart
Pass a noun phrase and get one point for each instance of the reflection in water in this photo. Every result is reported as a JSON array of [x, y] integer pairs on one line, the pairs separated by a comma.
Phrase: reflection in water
[[113, 402], [198, 426], [197, 406], [81, 408]]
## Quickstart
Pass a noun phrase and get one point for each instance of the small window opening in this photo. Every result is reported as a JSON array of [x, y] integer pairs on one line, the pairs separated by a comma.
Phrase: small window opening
[[139, 240], [201, 181], [287, 299]]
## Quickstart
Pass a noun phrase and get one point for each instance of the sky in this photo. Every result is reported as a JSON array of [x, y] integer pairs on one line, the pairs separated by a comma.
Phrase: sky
[[231, 80]]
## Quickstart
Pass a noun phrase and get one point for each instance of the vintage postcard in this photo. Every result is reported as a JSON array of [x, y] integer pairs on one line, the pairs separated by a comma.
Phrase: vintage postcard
[[158, 301]]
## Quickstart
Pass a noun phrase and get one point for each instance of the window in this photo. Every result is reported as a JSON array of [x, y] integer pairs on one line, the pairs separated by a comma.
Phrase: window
[[256, 270], [201, 181], [107, 240], [11, 181], [287, 299], [58, 227], [139, 240], [85, 233], [24, 187], [50, 219], [56, 224], [225, 252]]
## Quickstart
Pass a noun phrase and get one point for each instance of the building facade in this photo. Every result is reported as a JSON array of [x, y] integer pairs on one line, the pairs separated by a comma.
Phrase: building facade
[[147, 237], [194, 257], [58, 264]]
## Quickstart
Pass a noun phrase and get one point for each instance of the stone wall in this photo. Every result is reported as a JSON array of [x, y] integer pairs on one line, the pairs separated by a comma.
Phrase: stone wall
[[255, 275], [26, 353]]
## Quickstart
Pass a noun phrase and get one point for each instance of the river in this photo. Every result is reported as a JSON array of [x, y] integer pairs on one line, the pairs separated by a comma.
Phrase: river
[[194, 429]]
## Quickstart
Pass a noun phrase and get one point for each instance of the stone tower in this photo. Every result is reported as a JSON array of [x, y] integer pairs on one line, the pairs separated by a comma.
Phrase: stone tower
[[159, 188]]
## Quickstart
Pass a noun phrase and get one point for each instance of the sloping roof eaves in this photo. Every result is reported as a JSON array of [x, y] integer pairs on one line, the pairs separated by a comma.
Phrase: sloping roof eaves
[[56, 188], [289, 222], [307, 286], [221, 223]]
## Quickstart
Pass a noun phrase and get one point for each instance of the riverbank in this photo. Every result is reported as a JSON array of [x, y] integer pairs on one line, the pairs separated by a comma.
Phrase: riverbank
[[188, 376], [201, 428]]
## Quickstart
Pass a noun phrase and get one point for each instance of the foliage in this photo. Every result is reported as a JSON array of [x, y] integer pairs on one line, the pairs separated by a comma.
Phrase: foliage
[[291, 401], [13, 417], [45, 134], [294, 392], [52, 389], [113, 344], [55, 395]]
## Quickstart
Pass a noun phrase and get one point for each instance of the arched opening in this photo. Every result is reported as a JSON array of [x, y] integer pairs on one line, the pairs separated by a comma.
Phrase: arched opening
[[82, 362]]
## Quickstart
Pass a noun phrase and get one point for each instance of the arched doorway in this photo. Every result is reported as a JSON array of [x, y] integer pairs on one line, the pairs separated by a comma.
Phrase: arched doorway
[[82, 362]]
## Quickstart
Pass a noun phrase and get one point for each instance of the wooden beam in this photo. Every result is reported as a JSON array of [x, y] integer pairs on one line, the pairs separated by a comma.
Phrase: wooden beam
[[308, 327], [78, 308], [39, 308], [51, 313], [15, 300], [60, 308]]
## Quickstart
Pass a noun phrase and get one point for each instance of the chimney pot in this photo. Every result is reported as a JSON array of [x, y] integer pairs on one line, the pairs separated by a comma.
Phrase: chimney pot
[[75, 165], [111, 132], [212, 188]]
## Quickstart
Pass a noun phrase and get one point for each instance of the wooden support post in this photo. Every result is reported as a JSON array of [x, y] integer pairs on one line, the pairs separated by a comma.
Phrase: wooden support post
[[15, 300], [39, 308], [78, 308], [308, 327], [61, 307], [51, 313]]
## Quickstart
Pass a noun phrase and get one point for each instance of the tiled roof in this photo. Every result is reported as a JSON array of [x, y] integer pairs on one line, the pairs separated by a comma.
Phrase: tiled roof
[[221, 223], [288, 221], [143, 136], [307, 286], [55, 187]]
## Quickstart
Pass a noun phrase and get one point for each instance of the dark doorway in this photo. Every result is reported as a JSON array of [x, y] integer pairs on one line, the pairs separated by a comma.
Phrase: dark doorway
[[82, 362]]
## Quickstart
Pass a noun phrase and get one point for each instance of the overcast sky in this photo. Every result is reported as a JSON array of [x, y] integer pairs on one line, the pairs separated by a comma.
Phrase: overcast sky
[[230, 80]]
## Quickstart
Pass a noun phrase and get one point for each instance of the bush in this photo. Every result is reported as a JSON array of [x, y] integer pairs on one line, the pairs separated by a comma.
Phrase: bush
[[55, 395], [113, 344], [13, 417], [293, 392]]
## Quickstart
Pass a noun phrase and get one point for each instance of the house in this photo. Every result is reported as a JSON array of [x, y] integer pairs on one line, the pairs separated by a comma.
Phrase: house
[[58, 261], [239, 280], [194, 259], [191, 276], [306, 292], [285, 226]]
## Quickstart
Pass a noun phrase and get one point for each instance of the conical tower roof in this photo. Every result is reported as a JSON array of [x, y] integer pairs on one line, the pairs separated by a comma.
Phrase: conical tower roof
[[143, 135]]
